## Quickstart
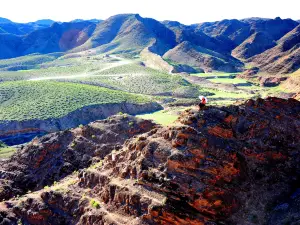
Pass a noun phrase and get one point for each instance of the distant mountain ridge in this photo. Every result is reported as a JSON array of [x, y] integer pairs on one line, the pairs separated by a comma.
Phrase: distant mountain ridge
[[46, 22], [91, 20], [4, 20], [10, 27], [222, 45], [284, 57]]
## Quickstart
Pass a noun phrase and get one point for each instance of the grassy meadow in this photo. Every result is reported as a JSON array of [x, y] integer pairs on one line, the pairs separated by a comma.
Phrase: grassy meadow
[[52, 85], [24, 100]]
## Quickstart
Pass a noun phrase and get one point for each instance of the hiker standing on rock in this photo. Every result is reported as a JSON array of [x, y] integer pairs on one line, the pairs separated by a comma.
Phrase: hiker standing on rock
[[203, 101]]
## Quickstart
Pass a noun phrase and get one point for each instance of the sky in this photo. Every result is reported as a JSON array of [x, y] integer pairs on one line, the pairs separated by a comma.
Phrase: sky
[[184, 11]]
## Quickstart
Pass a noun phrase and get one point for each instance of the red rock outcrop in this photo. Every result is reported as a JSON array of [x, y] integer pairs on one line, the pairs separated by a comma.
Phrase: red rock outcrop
[[54, 156], [228, 165]]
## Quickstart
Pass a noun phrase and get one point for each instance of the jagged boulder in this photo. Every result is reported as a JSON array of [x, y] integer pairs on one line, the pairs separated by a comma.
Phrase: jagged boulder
[[271, 81]]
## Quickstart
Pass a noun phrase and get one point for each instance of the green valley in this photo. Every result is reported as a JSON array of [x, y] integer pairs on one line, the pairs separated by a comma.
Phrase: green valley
[[60, 85]]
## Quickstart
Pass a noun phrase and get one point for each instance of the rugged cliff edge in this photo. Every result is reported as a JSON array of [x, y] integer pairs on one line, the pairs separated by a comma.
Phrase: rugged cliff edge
[[83, 116], [228, 165]]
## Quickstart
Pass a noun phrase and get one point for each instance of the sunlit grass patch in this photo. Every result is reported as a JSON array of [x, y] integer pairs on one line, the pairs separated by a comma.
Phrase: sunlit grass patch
[[163, 117], [273, 91], [23, 100], [6, 152], [224, 94], [230, 81]]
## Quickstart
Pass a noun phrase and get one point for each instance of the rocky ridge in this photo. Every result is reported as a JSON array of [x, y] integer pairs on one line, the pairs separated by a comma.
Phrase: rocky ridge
[[227, 165]]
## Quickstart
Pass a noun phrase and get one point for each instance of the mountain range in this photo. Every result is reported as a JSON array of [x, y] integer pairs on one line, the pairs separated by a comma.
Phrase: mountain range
[[269, 45], [9, 27]]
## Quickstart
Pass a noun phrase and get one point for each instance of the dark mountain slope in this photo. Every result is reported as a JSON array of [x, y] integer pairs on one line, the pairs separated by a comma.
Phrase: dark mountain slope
[[197, 37], [57, 38], [276, 28], [233, 30], [141, 32], [126, 32], [284, 57], [202, 58], [23, 28], [2, 31], [255, 44], [106, 31], [8, 45], [18, 28], [239, 30]]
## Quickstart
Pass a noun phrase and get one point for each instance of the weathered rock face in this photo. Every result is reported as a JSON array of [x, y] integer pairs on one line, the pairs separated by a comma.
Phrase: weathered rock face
[[54, 156], [229, 165], [271, 81]]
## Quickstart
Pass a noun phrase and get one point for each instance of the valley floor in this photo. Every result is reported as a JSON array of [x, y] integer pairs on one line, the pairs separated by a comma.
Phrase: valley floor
[[53, 89]]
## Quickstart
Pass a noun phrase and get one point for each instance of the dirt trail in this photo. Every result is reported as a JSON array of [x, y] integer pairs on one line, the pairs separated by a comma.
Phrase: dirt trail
[[86, 73]]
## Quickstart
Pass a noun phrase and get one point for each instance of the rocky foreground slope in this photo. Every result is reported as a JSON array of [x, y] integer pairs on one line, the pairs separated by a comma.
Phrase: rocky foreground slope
[[228, 165]]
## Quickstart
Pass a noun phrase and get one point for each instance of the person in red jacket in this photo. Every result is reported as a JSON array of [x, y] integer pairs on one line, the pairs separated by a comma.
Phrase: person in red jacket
[[203, 102]]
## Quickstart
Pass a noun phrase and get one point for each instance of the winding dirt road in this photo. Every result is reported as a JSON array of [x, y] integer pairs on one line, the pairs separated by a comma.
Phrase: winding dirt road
[[88, 74]]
